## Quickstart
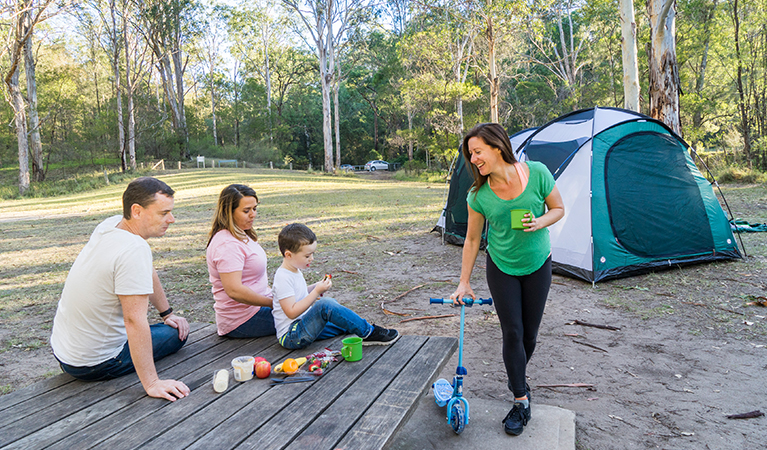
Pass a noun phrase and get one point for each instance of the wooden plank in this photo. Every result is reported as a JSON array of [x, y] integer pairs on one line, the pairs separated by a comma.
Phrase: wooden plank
[[318, 398], [42, 411], [197, 332], [108, 414], [374, 430], [263, 403], [217, 423], [334, 422], [155, 421]]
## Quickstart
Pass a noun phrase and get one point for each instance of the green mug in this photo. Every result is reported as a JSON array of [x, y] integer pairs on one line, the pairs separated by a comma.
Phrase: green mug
[[352, 349], [516, 218]]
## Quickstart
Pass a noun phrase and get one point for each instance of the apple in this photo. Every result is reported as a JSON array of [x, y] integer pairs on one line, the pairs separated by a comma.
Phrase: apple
[[263, 369], [258, 359]]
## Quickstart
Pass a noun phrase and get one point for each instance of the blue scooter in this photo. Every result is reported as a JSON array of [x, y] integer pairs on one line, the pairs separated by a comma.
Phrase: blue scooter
[[452, 394]]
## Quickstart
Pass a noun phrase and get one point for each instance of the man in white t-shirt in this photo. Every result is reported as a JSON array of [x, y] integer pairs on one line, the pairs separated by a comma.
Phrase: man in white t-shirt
[[101, 330]]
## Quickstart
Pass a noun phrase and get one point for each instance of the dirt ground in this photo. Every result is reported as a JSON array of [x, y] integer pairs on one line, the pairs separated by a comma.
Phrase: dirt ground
[[689, 349]]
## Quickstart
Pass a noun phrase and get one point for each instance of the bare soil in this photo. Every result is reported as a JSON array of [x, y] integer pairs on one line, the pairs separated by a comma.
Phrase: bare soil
[[689, 349]]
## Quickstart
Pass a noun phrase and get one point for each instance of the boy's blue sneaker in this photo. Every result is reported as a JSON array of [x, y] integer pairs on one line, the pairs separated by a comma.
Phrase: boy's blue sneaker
[[516, 419], [381, 336]]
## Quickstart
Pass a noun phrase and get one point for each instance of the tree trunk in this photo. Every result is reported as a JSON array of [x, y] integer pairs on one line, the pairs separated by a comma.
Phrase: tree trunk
[[35, 144], [410, 114], [337, 122], [118, 90], [17, 101], [327, 133], [629, 51], [129, 94], [663, 68], [743, 108], [697, 117], [494, 82]]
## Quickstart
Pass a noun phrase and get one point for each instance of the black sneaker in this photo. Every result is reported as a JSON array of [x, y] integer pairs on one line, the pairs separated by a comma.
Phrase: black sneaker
[[516, 419], [381, 336]]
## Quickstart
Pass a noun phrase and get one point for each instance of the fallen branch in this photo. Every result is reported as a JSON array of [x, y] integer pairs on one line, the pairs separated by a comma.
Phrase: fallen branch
[[714, 306], [427, 317], [386, 311], [586, 324], [405, 293], [589, 345], [748, 415], [575, 385], [350, 271]]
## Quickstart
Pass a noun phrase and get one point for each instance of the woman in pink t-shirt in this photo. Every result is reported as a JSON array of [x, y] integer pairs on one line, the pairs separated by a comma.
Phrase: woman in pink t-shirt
[[237, 267]]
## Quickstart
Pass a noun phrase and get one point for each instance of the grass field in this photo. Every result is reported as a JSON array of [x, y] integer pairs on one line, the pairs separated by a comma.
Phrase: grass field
[[40, 238]]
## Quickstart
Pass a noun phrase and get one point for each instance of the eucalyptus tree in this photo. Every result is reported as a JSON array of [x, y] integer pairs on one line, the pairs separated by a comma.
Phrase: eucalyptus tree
[[629, 53], [326, 24], [255, 28], [208, 49], [431, 59], [750, 38], [168, 25], [663, 68], [20, 18], [559, 40]]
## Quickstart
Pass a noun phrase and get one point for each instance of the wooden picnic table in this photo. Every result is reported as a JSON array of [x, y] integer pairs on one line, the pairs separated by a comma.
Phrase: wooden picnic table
[[353, 405]]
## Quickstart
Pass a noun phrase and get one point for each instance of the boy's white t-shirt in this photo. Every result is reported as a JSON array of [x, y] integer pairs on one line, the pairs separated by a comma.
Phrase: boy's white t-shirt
[[286, 284]]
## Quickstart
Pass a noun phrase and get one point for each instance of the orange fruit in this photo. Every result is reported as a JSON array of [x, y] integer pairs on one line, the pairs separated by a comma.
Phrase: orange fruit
[[290, 366]]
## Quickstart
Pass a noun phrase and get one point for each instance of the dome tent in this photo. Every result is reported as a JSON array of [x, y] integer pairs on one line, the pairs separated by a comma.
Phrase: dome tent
[[634, 199]]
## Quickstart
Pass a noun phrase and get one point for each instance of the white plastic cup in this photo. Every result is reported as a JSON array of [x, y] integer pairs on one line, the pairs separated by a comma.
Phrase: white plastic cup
[[243, 367]]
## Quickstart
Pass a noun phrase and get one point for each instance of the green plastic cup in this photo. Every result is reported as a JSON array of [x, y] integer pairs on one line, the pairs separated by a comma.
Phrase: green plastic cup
[[516, 218], [352, 349]]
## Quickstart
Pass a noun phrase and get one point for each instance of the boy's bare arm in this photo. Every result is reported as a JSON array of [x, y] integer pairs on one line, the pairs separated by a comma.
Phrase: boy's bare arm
[[293, 308]]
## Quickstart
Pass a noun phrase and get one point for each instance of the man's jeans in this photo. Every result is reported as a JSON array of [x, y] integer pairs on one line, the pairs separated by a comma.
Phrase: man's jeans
[[326, 318], [165, 342]]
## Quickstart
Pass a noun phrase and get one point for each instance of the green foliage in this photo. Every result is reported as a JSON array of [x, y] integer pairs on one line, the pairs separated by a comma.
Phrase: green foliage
[[734, 174], [64, 182]]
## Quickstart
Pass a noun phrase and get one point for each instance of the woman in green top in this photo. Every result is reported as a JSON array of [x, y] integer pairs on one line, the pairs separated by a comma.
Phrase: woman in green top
[[518, 260]]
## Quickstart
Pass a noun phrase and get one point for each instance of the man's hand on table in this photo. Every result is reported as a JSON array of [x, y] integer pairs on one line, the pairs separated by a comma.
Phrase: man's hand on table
[[168, 389]]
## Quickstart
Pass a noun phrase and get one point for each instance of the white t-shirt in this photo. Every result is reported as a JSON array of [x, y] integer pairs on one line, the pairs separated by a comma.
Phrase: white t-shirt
[[286, 284], [89, 327]]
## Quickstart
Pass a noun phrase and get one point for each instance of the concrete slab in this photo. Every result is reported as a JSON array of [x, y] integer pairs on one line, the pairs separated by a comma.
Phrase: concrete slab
[[550, 428]]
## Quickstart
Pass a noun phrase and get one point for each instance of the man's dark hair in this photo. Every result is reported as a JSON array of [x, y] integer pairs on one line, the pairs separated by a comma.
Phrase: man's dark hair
[[142, 191], [295, 236]]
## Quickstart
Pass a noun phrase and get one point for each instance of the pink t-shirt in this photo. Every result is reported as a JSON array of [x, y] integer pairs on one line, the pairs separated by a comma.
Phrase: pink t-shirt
[[227, 254]]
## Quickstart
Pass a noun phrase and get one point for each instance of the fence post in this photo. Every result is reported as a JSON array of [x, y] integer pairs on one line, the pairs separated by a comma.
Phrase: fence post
[[271, 166], [179, 165], [291, 166]]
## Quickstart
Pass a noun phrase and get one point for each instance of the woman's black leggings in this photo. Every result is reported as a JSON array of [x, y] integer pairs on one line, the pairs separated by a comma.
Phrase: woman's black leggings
[[519, 302]]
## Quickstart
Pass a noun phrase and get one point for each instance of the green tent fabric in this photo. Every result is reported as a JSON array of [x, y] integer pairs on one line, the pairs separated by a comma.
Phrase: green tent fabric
[[740, 225]]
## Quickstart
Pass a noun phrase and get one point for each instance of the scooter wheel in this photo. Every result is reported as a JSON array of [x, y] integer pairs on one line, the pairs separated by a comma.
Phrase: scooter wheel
[[457, 417]]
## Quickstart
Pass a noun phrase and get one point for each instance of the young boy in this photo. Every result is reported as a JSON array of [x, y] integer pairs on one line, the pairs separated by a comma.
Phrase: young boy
[[300, 315]]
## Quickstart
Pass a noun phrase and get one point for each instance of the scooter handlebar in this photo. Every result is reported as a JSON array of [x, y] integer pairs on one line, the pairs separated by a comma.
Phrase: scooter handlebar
[[468, 301]]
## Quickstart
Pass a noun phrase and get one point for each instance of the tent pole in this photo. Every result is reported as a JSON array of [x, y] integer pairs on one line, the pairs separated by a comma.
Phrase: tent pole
[[724, 199]]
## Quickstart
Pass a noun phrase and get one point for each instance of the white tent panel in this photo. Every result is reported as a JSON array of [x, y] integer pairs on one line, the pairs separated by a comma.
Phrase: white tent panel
[[605, 118], [564, 131], [571, 237]]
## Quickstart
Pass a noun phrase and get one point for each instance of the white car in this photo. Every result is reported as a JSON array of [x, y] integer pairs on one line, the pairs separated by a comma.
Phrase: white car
[[376, 165]]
